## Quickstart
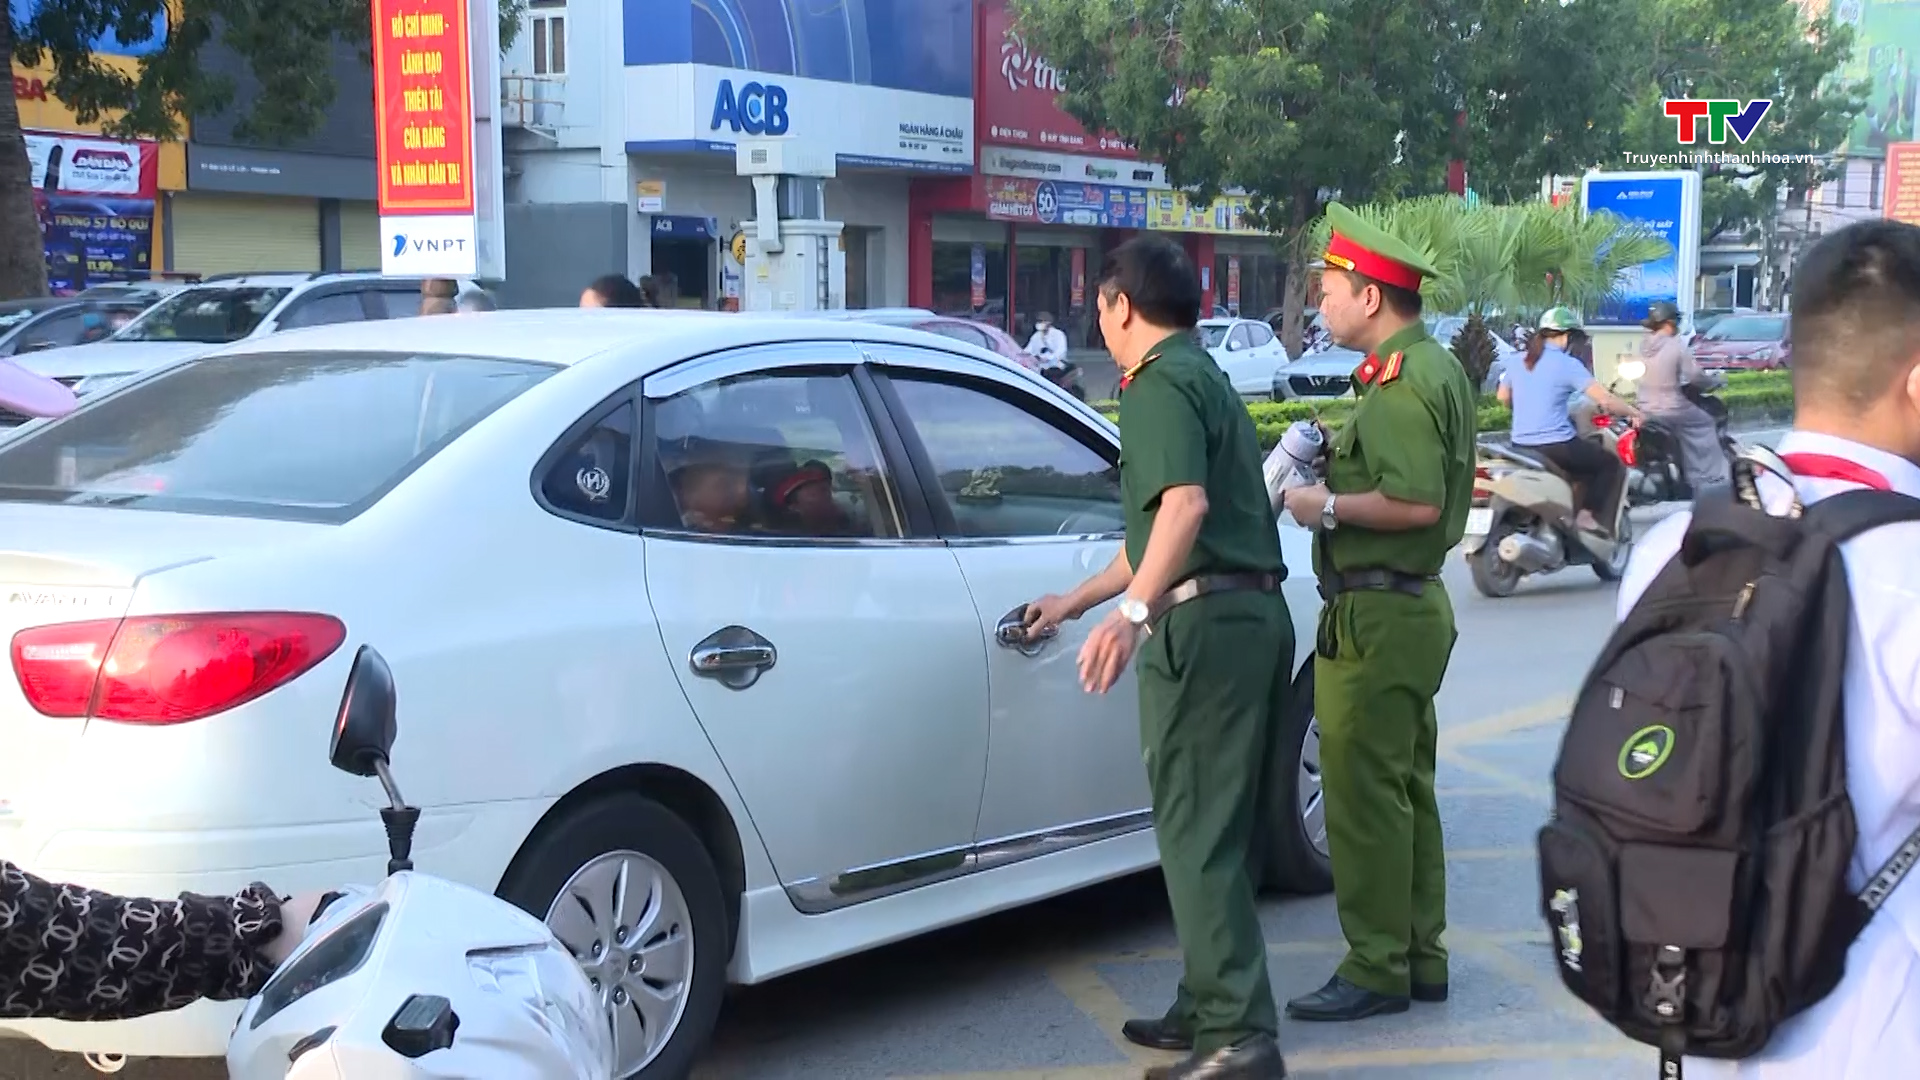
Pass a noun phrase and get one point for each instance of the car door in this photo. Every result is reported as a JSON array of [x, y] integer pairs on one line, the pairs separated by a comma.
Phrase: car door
[[1026, 493], [832, 655], [1245, 367]]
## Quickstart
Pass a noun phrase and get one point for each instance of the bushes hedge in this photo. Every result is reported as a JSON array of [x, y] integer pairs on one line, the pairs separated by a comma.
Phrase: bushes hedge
[[1754, 395]]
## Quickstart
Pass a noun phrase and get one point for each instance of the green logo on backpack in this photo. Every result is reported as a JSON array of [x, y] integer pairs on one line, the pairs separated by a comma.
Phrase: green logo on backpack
[[1646, 751]]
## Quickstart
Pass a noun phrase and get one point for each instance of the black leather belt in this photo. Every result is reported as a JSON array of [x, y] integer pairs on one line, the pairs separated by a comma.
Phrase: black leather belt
[[1341, 581], [1202, 584]]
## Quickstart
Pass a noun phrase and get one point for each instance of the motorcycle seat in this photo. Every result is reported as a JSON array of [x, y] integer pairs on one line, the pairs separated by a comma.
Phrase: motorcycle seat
[[1520, 455]]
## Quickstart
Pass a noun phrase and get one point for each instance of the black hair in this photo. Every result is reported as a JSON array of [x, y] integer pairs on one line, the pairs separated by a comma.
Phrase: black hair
[[614, 290], [1856, 313], [1157, 278], [1405, 303]]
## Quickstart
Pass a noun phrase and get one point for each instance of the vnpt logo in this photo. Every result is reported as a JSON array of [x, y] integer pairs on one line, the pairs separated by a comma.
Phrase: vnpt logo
[[399, 244], [402, 244], [756, 110], [1721, 114]]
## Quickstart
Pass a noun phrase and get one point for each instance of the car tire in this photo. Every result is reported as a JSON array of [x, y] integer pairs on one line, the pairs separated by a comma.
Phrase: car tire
[[1286, 859], [629, 826]]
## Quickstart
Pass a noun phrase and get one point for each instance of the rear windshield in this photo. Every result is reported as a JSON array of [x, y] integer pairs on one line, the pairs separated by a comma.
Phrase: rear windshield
[[1748, 329], [300, 436], [213, 316]]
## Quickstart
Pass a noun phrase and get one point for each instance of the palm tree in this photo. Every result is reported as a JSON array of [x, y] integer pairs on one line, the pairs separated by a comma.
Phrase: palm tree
[[1515, 260]]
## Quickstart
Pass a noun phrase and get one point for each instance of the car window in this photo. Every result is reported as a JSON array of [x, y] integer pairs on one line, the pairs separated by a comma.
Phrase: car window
[[1006, 471], [398, 303], [213, 315], [1748, 329], [64, 328], [1260, 333], [593, 476], [773, 455], [1212, 336], [301, 436], [324, 311], [1238, 338]]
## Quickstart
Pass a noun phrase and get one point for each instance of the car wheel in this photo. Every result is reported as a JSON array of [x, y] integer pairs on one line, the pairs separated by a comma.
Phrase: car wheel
[[626, 885], [1291, 854]]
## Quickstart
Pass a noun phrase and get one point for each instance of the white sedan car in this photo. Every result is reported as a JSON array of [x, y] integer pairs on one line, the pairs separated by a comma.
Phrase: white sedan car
[[703, 627], [1246, 350]]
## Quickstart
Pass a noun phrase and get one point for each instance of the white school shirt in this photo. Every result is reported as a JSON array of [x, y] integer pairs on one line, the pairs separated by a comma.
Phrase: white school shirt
[[1869, 1027]]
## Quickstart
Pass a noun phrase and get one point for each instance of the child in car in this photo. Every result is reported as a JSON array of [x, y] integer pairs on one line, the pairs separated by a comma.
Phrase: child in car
[[712, 494], [803, 503]]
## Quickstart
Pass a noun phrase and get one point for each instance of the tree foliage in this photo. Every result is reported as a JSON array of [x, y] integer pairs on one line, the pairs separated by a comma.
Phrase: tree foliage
[[288, 46]]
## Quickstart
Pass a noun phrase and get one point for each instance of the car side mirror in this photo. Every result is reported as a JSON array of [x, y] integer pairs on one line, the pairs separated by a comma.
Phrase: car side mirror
[[364, 732], [1233, 346]]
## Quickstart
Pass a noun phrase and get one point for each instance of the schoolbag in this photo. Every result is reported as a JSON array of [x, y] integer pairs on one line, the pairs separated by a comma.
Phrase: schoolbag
[[1694, 871]]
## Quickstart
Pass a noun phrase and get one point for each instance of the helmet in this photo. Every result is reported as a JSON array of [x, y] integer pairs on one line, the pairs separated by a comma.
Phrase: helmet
[[1659, 313], [1560, 319]]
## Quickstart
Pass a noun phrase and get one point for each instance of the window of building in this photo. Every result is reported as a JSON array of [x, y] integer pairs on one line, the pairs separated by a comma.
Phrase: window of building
[[548, 22], [1874, 185]]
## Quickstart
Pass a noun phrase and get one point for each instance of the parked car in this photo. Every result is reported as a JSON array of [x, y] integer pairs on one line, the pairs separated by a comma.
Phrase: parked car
[[225, 309], [1444, 328], [1247, 350], [1704, 319], [1755, 342], [717, 754], [53, 322]]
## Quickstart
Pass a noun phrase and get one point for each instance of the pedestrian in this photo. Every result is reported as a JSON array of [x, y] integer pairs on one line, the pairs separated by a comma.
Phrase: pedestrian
[[437, 296], [1661, 396], [612, 291], [1399, 481], [1200, 572], [1856, 397]]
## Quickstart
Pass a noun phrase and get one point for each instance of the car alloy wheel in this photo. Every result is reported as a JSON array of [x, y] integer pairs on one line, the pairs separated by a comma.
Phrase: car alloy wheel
[[626, 921], [1312, 792]]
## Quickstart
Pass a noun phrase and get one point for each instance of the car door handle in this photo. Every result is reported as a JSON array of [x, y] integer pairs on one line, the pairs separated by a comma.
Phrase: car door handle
[[735, 656], [1011, 633]]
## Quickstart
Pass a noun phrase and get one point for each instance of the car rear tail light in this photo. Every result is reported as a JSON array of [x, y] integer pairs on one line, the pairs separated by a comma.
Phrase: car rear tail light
[[167, 669]]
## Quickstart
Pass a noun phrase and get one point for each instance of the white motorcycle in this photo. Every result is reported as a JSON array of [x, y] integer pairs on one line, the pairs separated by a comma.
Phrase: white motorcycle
[[418, 977], [1522, 518]]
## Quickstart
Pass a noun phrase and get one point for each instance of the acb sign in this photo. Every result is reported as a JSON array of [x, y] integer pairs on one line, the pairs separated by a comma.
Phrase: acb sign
[[757, 109]]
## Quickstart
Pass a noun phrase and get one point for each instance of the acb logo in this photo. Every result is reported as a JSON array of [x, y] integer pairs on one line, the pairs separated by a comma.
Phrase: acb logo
[[756, 110]]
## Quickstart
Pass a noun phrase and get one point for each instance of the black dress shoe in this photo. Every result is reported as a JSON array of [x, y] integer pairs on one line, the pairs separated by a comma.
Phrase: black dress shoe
[[1158, 1033], [1340, 1000], [1257, 1058], [1430, 993]]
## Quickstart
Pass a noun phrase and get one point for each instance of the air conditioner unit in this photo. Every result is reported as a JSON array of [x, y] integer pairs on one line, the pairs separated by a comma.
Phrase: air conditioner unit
[[780, 156]]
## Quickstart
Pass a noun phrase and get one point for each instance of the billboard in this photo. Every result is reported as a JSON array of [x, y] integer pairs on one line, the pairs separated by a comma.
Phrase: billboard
[[1017, 88], [1902, 201], [94, 198], [1172, 211], [31, 94], [423, 117], [1668, 203], [1886, 46], [1053, 202]]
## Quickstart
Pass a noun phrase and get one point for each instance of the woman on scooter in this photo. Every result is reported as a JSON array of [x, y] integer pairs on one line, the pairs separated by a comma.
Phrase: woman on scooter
[[1540, 392], [1670, 368]]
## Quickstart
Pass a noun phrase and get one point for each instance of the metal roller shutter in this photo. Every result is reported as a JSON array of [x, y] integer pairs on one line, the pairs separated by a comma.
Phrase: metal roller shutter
[[226, 234], [359, 236]]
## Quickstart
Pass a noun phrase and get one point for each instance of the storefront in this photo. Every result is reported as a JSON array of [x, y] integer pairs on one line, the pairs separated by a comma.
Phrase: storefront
[[886, 94], [303, 208]]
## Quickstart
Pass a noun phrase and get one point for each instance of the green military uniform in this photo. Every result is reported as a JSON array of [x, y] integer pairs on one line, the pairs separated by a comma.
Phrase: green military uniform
[[1214, 676], [1385, 638]]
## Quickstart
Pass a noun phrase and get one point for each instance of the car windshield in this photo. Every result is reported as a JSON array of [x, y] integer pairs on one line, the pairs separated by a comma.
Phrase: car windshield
[[1748, 329], [1212, 336], [297, 436], [213, 316]]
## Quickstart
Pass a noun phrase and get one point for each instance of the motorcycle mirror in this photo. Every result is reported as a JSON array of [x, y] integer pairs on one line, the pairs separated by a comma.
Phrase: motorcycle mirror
[[1632, 370], [364, 732]]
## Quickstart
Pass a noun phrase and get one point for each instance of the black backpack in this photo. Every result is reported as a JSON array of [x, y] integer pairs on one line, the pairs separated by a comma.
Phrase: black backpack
[[1694, 871]]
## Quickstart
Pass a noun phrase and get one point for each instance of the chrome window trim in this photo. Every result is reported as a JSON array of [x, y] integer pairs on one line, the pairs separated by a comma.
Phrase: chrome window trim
[[748, 360], [924, 358], [688, 536], [820, 896]]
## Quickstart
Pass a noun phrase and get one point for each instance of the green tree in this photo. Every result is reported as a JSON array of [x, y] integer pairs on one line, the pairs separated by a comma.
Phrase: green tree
[[287, 44]]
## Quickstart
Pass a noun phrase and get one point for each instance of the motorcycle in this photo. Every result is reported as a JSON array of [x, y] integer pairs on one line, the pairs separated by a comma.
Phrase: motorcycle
[[418, 977], [1522, 517], [1064, 374], [1652, 454]]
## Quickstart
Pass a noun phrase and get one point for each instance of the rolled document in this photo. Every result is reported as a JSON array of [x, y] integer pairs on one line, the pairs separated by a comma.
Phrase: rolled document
[[1294, 462]]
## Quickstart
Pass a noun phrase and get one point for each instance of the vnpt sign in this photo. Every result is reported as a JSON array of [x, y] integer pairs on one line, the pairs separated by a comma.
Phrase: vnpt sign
[[757, 109], [1722, 115]]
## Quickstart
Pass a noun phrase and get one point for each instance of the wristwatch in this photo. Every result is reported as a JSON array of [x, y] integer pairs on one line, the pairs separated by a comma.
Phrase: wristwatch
[[1135, 612], [1328, 521]]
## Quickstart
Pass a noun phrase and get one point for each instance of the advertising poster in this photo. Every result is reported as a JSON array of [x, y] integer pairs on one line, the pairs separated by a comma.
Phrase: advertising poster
[[1171, 211], [1053, 202], [1886, 49], [1669, 205], [1018, 89], [977, 277], [1077, 292], [423, 101], [95, 201], [1233, 283], [1902, 201]]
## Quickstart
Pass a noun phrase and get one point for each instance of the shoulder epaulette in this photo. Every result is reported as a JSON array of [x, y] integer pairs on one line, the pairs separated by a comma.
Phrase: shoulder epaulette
[[1391, 370], [1126, 377]]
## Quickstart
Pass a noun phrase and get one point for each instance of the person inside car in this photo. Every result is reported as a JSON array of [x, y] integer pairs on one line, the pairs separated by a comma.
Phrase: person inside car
[[713, 495], [803, 503]]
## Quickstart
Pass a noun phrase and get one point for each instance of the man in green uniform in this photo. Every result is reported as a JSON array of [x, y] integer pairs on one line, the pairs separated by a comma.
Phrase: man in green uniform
[[1201, 574], [1399, 480]]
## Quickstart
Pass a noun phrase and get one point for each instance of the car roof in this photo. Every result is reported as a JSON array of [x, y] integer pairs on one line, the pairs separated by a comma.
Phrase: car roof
[[569, 336]]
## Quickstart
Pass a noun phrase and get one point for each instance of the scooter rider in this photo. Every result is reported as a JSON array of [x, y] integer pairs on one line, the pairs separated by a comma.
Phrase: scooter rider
[[1048, 342], [1540, 391], [1670, 367]]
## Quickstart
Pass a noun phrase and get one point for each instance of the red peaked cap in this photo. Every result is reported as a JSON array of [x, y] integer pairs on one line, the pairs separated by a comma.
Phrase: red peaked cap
[[1347, 255], [813, 472]]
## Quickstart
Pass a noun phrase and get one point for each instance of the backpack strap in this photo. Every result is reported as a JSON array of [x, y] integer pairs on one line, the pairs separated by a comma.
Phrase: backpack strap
[[1845, 515]]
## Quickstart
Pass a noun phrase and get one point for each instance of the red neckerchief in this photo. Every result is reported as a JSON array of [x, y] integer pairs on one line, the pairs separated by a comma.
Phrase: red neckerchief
[[1828, 467]]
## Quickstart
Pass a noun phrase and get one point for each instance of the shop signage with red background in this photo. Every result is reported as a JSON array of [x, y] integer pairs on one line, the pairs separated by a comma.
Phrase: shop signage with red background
[[1233, 282], [95, 198], [1902, 199], [1053, 202], [1015, 89], [424, 106]]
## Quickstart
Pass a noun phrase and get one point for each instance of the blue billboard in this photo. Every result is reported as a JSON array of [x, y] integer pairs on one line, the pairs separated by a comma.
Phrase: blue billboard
[[107, 42], [924, 46], [1661, 202]]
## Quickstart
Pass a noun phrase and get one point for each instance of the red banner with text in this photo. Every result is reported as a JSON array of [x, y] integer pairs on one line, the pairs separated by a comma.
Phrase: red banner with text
[[424, 104]]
